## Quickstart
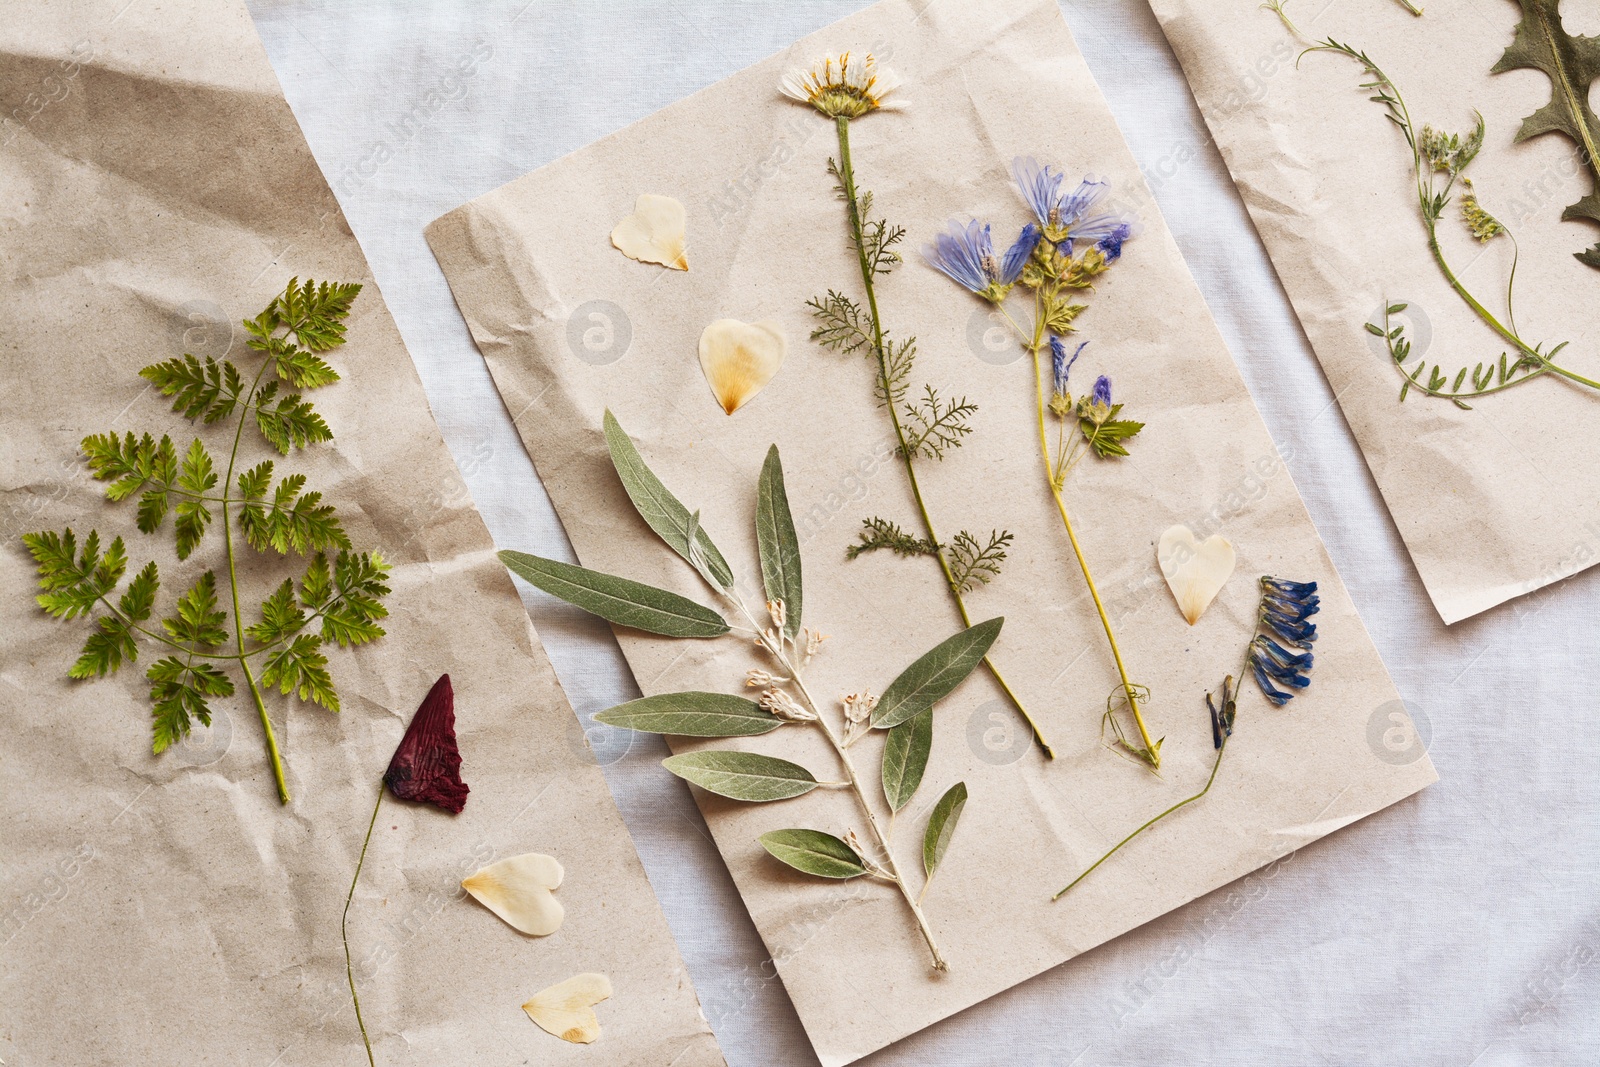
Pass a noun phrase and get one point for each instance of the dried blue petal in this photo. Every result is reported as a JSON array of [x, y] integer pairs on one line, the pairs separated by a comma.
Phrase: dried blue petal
[[1017, 255]]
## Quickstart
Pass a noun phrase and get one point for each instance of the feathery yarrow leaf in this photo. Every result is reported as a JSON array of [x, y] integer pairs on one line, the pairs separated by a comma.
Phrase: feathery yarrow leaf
[[879, 533]]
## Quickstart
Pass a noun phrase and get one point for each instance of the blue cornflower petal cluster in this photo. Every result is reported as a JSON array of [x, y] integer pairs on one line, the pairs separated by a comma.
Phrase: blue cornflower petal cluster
[[1286, 608]]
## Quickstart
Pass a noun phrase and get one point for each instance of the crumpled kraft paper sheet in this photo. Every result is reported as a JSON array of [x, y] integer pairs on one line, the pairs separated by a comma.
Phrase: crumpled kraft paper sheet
[[1498, 501], [570, 327], [154, 189]]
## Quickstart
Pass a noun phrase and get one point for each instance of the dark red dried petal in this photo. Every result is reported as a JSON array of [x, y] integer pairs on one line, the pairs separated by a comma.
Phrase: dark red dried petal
[[427, 765]]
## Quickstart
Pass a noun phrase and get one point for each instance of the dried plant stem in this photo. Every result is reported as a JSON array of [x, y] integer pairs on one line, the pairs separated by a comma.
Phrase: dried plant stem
[[1186, 800], [274, 757], [1055, 476], [1215, 766], [852, 202], [349, 971], [779, 647]]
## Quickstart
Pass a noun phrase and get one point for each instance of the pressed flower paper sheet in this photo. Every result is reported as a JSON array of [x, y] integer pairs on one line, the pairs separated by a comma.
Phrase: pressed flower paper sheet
[[155, 190], [570, 327], [1492, 502]]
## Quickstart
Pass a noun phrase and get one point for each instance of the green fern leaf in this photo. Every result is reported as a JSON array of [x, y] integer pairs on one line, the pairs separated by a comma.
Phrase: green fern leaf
[[280, 616], [178, 693], [350, 618], [199, 622], [301, 668]]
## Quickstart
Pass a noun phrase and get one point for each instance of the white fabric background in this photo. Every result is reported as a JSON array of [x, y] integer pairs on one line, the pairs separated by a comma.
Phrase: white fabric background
[[1459, 927]]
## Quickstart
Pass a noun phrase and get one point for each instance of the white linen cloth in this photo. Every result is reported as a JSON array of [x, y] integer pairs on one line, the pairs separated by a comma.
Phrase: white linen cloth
[[1460, 927]]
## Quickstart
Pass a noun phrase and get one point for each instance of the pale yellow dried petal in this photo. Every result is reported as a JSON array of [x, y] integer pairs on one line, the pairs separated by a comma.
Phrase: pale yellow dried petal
[[654, 233], [740, 358], [1195, 570], [519, 891], [566, 1008]]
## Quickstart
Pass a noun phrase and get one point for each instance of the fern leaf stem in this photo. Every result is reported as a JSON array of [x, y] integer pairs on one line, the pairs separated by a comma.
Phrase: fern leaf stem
[[274, 757], [847, 179], [1152, 755]]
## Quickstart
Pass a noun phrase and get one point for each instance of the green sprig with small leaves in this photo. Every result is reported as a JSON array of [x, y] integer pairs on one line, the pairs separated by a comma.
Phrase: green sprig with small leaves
[[904, 712], [336, 599], [1439, 163]]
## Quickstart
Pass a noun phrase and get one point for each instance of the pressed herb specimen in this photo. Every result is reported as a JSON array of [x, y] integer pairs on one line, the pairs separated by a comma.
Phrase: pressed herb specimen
[[1439, 162], [843, 88], [1056, 258], [905, 709], [426, 767], [339, 595], [1279, 654]]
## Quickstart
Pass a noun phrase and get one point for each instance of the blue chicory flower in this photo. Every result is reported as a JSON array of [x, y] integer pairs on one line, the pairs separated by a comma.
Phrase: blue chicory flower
[[966, 255]]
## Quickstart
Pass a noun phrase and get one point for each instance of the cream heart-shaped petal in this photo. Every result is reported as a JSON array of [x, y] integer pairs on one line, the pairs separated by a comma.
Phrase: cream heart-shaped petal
[[654, 233], [566, 1008], [740, 358], [519, 891], [1195, 571]]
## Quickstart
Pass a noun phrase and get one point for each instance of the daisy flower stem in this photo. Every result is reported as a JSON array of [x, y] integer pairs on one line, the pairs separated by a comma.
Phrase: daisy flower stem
[[857, 238]]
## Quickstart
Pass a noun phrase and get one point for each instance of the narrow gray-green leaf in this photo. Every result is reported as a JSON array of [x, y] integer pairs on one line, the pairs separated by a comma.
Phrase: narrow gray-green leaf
[[693, 715], [775, 536], [905, 757], [814, 852], [618, 600], [742, 775], [655, 503], [935, 675], [941, 825]]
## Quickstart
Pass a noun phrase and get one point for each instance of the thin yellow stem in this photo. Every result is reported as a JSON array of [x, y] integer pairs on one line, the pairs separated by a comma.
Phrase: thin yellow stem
[[1151, 754]]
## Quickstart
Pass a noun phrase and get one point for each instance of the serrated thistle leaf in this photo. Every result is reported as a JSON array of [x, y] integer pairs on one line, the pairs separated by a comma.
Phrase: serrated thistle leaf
[[617, 600], [777, 543], [814, 852], [1572, 64], [662, 511], [692, 715], [942, 826], [905, 758], [935, 674], [747, 776]]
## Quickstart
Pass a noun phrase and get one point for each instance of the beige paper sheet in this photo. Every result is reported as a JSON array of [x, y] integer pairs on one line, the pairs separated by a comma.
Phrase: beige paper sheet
[[569, 327], [167, 909], [1495, 502]]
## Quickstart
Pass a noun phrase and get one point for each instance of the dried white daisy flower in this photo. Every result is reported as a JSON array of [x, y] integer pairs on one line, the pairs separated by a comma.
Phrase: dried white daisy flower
[[842, 86]]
